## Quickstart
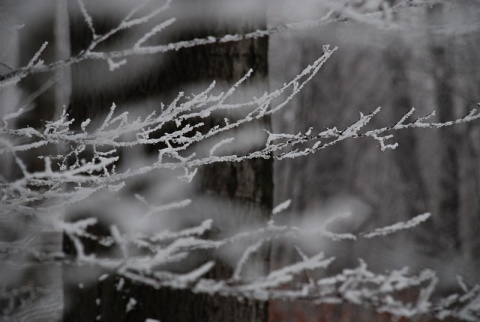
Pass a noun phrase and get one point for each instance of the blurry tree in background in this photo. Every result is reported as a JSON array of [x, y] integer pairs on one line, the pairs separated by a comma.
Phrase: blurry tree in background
[[165, 200], [416, 59], [246, 185]]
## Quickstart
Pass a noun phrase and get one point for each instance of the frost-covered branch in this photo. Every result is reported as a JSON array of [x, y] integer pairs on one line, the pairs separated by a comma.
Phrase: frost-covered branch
[[119, 131], [178, 146], [115, 59]]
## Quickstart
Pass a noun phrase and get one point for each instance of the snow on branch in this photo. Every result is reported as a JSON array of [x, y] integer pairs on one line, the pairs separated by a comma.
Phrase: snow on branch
[[356, 285], [123, 131], [329, 137], [398, 226], [337, 12]]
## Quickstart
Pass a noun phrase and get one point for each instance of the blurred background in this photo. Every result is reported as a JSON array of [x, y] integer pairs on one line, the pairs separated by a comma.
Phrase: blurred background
[[422, 57]]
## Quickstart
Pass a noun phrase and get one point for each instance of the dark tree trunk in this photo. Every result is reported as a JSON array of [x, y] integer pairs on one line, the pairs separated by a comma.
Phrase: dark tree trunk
[[246, 187], [406, 154], [447, 220]]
